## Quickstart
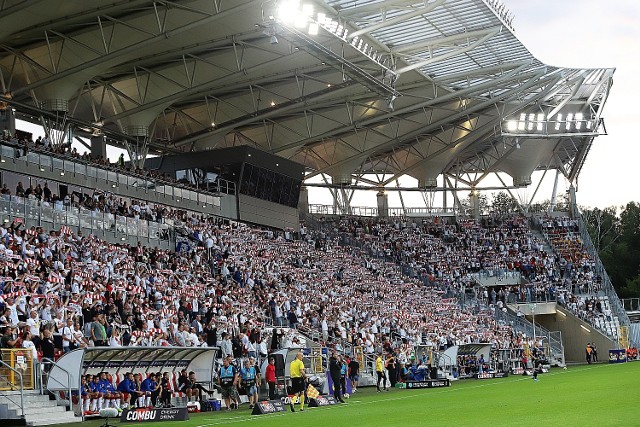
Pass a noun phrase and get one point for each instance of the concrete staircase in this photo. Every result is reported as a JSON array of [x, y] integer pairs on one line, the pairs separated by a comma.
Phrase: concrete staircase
[[38, 409]]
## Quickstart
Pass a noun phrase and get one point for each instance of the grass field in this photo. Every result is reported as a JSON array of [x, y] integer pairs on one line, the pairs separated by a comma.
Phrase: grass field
[[592, 395]]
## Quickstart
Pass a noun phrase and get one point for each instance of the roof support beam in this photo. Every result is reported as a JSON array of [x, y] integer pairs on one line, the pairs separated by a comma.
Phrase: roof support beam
[[395, 20], [467, 92], [447, 55], [576, 86], [537, 79], [135, 47], [441, 41], [271, 112], [375, 7]]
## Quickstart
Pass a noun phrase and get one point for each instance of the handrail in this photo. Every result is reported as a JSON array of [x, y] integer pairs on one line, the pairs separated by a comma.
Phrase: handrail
[[90, 219], [21, 385], [230, 189], [47, 360], [608, 288], [445, 368]]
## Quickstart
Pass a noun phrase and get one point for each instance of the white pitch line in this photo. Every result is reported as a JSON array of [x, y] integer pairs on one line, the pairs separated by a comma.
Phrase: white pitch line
[[229, 420]]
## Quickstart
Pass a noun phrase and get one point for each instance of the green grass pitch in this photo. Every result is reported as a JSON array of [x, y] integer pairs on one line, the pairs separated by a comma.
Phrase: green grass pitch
[[592, 395]]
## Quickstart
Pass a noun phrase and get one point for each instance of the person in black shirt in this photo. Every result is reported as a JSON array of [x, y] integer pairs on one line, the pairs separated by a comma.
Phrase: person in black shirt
[[335, 367], [537, 368], [47, 347], [7, 340], [212, 334], [183, 381], [165, 391], [354, 372]]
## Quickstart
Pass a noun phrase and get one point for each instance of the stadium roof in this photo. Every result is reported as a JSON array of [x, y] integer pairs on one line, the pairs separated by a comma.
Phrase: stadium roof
[[346, 87]]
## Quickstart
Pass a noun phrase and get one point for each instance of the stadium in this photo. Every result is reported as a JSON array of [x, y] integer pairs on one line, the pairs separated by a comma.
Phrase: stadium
[[313, 211]]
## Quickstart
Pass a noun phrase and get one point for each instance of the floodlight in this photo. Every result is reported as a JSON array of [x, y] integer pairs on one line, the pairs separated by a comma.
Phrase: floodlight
[[512, 125], [569, 119], [558, 121], [320, 17], [313, 29]]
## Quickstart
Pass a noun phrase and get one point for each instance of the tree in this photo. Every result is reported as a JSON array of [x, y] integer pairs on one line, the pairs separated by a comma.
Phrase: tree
[[467, 204], [617, 240], [503, 203], [603, 226]]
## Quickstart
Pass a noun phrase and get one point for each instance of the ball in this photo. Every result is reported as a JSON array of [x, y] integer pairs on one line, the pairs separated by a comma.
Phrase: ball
[[346, 395]]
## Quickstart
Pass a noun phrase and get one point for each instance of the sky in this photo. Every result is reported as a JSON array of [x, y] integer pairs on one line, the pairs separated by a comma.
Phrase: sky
[[594, 34], [576, 34], [573, 34]]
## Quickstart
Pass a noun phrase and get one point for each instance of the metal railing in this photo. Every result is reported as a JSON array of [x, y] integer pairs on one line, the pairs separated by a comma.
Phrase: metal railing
[[445, 363], [631, 304], [523, 325], [12, 385], [607, 285], [43, 386], [53, 216], [607, 288], [367, 211], [48, 161]]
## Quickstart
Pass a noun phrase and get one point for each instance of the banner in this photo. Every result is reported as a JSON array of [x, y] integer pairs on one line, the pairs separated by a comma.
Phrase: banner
[[322, 401], [183, 244], [149, 415], [617, 356], [426, 384], [491, 375], [268, 407]]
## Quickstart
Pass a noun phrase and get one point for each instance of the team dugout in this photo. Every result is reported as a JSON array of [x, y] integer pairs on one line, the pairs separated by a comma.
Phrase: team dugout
[[66, 375]]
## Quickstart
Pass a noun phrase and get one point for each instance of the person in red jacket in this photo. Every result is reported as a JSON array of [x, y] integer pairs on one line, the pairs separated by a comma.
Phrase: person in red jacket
[[270, 378]]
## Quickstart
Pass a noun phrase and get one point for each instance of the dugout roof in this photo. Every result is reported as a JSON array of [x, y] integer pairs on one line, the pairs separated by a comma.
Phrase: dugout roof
[[120, 360], [418, 87]]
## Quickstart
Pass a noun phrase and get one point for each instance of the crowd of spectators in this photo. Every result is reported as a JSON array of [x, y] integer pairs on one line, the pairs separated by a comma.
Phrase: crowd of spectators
[[77, 290], [62, 290], [45, 144], [452, 255]]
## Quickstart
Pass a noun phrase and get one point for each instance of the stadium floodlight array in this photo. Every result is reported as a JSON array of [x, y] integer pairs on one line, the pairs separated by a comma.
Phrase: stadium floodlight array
[[538, 124], [302, 16]]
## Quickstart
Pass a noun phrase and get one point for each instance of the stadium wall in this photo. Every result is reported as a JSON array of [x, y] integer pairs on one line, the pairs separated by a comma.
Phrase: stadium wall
[[576, 334], [258, 211]]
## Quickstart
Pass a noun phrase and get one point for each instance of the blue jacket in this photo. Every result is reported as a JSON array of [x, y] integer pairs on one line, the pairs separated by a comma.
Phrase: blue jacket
[[127, 386]]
